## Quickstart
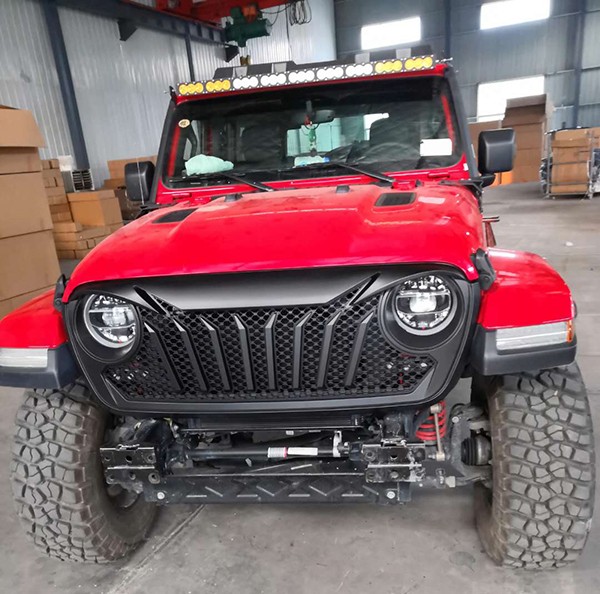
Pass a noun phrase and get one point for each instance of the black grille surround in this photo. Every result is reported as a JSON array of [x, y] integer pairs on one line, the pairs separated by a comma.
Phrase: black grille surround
[[295, 353], [331, 354]]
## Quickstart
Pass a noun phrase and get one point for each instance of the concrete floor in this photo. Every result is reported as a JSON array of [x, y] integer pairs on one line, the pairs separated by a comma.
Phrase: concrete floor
[[427, 546]]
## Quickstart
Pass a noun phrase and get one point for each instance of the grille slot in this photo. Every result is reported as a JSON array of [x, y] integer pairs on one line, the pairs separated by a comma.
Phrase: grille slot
[[335, 350]]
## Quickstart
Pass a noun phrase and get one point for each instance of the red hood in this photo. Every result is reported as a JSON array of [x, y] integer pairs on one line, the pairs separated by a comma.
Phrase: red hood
[[293, 229]]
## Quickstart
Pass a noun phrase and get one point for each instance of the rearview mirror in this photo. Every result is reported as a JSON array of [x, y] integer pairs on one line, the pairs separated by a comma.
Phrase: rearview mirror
[[496, 150], [320, 116], [138, 180]]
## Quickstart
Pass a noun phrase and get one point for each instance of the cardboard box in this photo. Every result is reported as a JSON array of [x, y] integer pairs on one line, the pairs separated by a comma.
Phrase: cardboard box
[[61, 217], [528, 157], [527, 110], [571, 189], [54, 192], [574, 154], [80, 244], [95, 209], [56, 200], [67, 227], [8, 305], [89, 233], [525, 173], [18, 128], [53, 178], [90, 196], [23, 205], [27, 262], [20, 139], [19, 160], [116, 167], [529, 136], [114, 184], [66, 254], [570, 173], [579, 137], [60, 208]]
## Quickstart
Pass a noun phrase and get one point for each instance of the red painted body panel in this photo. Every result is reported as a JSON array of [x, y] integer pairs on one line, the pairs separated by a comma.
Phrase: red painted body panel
[[527, 291], [36, 324], [293, 229]]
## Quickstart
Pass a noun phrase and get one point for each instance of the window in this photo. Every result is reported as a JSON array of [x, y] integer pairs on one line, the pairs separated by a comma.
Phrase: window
[[513, 12], [492, 97], [391, 125], [390, 33]]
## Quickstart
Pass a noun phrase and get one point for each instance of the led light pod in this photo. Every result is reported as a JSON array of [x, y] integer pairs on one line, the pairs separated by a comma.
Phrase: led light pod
[[424, 305], [110, 321]]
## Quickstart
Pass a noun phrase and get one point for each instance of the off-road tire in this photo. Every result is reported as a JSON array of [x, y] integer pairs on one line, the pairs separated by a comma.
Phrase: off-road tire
[[58, 484], [539, 511]]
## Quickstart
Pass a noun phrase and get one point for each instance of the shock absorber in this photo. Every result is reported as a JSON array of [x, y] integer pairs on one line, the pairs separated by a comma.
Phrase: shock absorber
[[427, 431]]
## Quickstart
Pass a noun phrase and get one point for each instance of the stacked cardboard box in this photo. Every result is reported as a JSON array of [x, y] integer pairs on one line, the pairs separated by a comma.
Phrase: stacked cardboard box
[[28, 262], [55, 191], [571, 155], [528, 117], [73, 240], [94, 216], [81, 219]]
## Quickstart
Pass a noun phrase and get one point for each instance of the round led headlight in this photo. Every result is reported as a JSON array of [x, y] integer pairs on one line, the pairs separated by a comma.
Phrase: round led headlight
[[424, 305], [110, 321]]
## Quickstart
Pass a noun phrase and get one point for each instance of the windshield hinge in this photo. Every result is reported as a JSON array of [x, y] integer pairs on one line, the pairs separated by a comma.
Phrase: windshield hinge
[[483, 265]]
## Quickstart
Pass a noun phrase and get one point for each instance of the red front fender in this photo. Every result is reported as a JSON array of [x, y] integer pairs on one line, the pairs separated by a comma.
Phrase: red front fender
[[527, 292], [34, 349], [36, 324]]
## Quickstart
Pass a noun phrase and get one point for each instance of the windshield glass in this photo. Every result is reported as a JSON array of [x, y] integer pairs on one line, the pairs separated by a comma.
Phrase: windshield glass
[[381, 125]]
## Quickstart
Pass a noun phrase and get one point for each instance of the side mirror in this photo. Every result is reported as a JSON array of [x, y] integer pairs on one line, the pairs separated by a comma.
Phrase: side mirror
[[496, 150], [138, 180]]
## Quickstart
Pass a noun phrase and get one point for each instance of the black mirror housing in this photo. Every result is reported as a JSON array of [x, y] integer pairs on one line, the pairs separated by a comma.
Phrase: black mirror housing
[[496, 150], [138, 180]]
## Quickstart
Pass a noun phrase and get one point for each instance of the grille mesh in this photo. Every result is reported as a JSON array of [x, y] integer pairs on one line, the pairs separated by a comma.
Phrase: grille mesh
[[336, 350]]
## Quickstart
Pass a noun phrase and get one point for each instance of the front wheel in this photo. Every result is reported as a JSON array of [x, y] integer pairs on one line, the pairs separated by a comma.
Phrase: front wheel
[[538, 511], [58, 482]]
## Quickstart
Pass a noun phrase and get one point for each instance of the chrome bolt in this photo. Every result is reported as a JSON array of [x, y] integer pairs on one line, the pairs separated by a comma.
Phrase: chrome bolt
[[390, 494], [455, 420], [160, 495]]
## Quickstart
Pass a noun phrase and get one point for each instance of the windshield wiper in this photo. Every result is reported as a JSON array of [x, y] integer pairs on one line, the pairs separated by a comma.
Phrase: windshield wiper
[[342, 165], [225, 175]]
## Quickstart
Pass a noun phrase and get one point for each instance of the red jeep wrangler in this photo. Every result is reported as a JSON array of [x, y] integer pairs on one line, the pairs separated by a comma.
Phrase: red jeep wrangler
[[286, 323]]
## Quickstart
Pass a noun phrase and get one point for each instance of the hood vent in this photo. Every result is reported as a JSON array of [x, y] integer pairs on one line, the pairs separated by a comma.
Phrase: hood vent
[[395, 199], [175, 216]]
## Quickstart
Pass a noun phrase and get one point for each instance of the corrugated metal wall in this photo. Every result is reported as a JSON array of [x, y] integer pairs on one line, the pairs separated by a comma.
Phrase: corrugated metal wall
[[27, 75], [121, 86], [544, 47]]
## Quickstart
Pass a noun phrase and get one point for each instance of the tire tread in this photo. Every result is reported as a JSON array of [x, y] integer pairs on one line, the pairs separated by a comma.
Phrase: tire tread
[[55, 478], [543, 470]]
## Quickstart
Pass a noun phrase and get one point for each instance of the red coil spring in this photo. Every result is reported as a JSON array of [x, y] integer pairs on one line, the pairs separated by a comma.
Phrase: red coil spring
[[426, 432]]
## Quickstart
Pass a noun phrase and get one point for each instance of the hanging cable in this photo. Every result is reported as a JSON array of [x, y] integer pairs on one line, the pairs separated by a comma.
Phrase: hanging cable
[[299, 12], [275, 14]]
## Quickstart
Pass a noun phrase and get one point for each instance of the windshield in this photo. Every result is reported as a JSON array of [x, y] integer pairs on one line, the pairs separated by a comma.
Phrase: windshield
[[382, 125]]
